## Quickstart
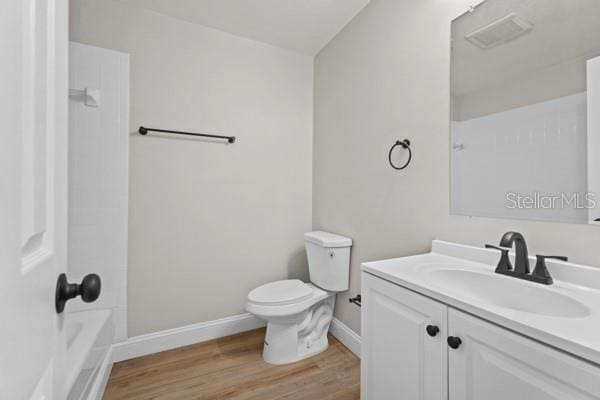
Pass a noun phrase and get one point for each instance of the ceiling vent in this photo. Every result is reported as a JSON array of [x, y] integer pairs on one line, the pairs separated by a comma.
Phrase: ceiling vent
[[500, 31]]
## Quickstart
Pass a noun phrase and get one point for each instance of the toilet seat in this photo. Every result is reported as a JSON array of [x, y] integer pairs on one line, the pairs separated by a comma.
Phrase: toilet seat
[[280, 293], [271, 301]]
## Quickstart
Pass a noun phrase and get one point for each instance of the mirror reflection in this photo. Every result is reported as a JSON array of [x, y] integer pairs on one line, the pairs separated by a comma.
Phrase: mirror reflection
[[525, 115]]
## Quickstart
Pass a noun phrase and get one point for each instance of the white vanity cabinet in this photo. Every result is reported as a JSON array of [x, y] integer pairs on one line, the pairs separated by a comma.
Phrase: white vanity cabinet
[[493, 363], [401, 360]]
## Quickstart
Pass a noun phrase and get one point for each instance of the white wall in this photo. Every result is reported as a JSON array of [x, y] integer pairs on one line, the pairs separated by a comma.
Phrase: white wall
[[208, 221], [386, 77], [541, 85], [98, 176]]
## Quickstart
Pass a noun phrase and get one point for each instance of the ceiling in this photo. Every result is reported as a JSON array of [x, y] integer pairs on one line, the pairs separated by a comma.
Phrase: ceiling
[[563, 31], [305, 26]]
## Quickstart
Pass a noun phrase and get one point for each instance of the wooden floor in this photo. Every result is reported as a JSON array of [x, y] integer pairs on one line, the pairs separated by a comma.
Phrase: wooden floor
[[232, 368]]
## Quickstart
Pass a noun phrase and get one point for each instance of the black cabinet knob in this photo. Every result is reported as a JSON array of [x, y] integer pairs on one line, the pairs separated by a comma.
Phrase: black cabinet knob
[[432, 330], [89, 290], [454, 342]]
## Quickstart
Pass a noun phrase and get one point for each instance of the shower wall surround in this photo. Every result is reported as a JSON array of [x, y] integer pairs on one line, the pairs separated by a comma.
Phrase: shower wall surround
[[98, 177], [541, 146]]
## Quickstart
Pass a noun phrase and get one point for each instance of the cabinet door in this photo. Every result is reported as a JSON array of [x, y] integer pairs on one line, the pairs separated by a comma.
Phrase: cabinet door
[[493, 363], [400, 360]]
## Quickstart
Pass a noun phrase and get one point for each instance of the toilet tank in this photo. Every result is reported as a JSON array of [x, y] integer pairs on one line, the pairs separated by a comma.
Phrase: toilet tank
[[328, 260]]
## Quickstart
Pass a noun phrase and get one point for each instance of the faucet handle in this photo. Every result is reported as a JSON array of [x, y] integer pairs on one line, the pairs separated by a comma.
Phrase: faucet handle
[[559, 258], [541, 270], [504, 264]]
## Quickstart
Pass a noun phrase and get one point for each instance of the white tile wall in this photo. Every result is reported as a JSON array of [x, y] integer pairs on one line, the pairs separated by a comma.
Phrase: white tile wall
[[98, 178], [539, 148]]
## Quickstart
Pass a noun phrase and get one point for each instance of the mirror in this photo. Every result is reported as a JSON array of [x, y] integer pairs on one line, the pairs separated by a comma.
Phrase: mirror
[[525, 111]]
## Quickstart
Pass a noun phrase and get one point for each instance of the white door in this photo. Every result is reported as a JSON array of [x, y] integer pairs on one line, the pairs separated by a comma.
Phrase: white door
[[493, 363], [593, 136], [33, 202], [403, 357]]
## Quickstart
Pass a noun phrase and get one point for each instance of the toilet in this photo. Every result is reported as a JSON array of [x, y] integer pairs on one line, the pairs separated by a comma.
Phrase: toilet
[[298, 314]]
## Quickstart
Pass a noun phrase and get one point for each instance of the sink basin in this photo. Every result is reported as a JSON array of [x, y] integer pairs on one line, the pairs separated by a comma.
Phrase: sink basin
[[507, 292]]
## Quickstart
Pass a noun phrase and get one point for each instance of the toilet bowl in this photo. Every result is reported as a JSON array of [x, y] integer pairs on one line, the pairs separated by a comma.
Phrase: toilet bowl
[[298, 314]]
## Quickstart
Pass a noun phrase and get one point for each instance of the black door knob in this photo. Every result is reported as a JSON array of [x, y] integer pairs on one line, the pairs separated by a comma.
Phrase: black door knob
[[454, 342], [432, 330], [89, 290]]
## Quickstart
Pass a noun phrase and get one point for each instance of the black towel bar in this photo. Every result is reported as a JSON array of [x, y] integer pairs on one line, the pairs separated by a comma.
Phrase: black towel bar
[[144, 131]]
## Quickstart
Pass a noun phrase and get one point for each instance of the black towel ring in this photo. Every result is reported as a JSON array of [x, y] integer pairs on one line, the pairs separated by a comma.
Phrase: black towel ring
[[406, 145]]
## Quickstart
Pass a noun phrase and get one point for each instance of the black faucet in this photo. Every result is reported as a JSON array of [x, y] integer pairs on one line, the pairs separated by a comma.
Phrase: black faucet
[[540, 273], [521, 254]]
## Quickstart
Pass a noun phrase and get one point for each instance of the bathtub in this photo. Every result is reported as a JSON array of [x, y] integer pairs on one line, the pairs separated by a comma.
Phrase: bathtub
[[89, 338]]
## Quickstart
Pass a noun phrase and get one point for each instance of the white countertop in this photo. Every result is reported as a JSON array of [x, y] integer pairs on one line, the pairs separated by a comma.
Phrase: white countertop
[[578, 335]]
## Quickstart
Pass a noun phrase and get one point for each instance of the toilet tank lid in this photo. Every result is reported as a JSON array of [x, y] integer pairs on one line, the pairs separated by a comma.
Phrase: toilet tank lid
[[327, 239]]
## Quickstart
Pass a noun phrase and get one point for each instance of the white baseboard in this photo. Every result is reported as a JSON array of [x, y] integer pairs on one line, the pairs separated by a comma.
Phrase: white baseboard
[[101, 379], [173, 338], [346, 336]]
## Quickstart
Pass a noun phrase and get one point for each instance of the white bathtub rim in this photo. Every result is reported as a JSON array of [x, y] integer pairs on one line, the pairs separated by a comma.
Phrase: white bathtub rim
[[101, 379], [93, 322]]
